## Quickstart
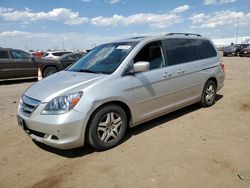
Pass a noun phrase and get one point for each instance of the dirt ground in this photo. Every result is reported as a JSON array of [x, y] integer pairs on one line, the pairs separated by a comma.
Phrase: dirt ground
[[193, 147]]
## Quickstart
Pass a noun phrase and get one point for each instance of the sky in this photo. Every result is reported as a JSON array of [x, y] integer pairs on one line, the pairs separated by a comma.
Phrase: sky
[[81, 24]]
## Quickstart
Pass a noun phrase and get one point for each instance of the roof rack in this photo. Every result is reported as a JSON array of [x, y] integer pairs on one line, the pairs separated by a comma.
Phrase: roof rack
[[186, 34], [137, 37]]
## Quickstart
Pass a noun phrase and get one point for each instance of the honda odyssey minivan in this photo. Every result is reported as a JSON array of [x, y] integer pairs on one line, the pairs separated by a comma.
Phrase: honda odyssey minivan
[[119, 85]]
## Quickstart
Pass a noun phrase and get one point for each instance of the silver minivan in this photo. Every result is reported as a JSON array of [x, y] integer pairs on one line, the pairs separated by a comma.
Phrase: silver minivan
[[119, 85]]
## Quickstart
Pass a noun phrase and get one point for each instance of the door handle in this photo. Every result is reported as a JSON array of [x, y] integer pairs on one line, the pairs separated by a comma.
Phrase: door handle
[[166, 75], [180, 71]]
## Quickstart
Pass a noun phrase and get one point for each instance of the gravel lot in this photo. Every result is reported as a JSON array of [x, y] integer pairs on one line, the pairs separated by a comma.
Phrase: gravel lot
[[193, 147]]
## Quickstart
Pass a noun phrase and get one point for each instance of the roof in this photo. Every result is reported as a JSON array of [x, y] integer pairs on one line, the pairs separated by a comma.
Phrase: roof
[[169, 35]]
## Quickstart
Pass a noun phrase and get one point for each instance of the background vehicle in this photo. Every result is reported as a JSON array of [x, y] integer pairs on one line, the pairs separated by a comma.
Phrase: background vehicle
[[51, 66], [55, 54], [234, 49], [245, 52], [16, 64], [121, 84]]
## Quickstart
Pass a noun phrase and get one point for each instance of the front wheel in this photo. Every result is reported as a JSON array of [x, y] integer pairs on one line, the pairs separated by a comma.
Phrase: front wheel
[[238, 53], [208, 94], [107, 127]]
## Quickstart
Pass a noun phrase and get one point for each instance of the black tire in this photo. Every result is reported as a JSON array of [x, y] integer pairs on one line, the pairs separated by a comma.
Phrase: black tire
[[208, 94], [49, 71], [101, 130], [237, 53], [225, 55]]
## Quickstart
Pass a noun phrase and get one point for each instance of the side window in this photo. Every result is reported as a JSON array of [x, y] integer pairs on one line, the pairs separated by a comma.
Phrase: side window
[[153, 54], [60, 53], [72, 57], [17, 54], [45, 54], [4, 55], [204, 49], [56, 54], [179, 51]]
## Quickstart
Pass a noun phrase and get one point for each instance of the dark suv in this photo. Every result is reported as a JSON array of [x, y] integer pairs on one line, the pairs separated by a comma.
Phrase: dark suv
[[16, 64], [234, 49], [245, 52], [51, 66]]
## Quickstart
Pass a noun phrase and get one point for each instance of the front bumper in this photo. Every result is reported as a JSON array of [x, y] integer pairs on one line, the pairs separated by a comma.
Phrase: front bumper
[[229, 53], [65, 131], [245, 54]]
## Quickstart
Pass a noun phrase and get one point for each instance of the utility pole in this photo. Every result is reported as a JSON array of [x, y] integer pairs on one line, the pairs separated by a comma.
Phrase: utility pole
[[63, 44], [237, 28]]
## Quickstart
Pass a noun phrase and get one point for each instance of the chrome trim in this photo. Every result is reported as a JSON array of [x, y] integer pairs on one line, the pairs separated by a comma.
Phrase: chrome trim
[[28, 105]]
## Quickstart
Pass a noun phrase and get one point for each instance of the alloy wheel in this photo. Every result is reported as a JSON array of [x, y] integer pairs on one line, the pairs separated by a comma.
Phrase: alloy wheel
[[109, 127], [210, 93]]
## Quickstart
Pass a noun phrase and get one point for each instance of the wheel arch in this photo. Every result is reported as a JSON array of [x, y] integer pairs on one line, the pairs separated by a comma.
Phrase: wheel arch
[[121, 104], [214, 80]]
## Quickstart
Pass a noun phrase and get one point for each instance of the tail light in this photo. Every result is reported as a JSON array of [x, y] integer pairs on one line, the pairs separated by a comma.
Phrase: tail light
[[222, 66]]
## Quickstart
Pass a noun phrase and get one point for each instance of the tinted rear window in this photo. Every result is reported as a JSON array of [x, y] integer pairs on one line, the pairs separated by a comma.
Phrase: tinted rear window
[[4, 55], [204, 49], [45, 54], [60, 53], [180, 51]]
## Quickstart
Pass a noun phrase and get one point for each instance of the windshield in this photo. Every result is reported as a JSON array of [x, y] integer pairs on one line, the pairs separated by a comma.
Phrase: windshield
[[103, 59]]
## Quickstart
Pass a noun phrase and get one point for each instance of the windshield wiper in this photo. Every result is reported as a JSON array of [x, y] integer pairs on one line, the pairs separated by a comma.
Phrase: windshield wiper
[[89, 71]]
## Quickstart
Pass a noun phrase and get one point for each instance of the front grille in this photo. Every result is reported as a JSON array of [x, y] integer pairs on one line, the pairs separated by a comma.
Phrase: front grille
[[28, 105]]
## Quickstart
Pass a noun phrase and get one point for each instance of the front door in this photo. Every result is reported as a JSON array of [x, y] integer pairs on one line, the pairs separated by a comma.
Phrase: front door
[[22, 65], [153, 89]]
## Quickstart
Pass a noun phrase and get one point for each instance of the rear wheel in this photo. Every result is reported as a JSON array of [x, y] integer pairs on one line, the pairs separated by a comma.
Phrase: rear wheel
[[49, 71], [107, 127], [209, 93]]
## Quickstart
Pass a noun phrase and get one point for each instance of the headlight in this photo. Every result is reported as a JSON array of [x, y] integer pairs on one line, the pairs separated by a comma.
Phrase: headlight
[[62, 104]]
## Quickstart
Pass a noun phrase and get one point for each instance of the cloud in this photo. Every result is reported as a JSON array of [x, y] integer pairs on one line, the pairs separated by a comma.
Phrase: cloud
[[154, 20], [220, 18], [3, 10], [58, 14], [214, 2], [114, 1], [72, 40], [226, 1], [73, 18], [180, 9], [44, 41], [86, 1], [13, 34]]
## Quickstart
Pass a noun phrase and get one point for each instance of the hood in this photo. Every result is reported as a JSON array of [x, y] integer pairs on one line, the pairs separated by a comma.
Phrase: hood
[[60, 83], [245, 49], [230, 48]]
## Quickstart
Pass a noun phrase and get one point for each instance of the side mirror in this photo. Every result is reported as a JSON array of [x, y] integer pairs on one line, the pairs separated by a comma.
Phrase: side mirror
[[140, 66]]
